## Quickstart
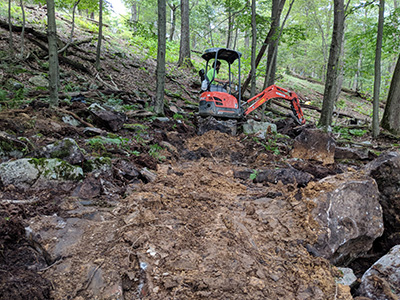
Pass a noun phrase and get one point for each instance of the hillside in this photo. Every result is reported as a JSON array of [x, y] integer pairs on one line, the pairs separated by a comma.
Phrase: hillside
[[143, 207]]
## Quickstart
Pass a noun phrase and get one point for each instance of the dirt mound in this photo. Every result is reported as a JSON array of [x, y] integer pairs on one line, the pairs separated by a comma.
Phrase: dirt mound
[[19, 261]]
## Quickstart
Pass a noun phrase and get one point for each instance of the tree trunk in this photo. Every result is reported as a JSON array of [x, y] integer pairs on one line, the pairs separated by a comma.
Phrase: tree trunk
[[377, 77], [72, 28], [53, 55], [333, 63], [271, 57], [23, 30], [230, 24], [162, 30], [100, 36], [253, 48], [134, 12], [390, 120], [262, 50], [184, 50], [173, 8], [10, 27]]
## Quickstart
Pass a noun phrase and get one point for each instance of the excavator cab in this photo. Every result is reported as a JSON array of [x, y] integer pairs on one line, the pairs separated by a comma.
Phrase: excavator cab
[[216, 100]]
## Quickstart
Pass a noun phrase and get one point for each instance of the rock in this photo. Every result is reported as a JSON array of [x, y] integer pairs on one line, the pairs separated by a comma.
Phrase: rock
[[259, 128], [39, 81], [99, 166], [92, 131], [71, 120], [67, 150], [314, 144], [382, 280], [27, 173], [148, 175], [386, 172], [108, 119], [349, 213], [11, 146], [285, 175], [351, 153], [90, 188], [210, 123], [348, 277], [127, 170]]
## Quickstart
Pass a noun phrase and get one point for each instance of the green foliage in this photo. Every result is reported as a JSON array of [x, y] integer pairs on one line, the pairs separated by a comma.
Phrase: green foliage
[[271, 144], [348, 133], [154, 151], [254, 174]]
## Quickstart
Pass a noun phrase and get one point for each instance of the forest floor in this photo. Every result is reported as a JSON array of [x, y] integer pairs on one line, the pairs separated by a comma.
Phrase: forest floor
[[195, 230]]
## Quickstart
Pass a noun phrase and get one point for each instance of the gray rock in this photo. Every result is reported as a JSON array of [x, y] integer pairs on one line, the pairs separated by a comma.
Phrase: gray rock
[[382, 280], [39, 81], [350, 216], [259, 128], [38, 174], [348, 277], [386, 171], [314, 144], [67, 150], [108, 119]]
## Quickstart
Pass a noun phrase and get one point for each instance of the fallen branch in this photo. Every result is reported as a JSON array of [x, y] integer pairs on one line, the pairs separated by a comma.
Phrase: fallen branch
[[76, 117]]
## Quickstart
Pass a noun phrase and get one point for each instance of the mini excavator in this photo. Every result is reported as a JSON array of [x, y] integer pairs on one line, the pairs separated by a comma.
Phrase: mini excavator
[[224, 101]]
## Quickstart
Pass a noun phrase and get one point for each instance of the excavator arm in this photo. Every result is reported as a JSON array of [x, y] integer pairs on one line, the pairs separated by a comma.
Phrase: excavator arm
[[274, 91]]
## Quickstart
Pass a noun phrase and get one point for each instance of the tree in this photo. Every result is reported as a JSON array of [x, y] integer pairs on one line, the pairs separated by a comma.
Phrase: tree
[[273, 45], [330, 91], [23, 29], [100, 36], [173, 6], [184, 50], [10, 28], [253, 48], [377, 78], [263, 48], [72, 28], [53, 55], [390, 120], [162, 30]]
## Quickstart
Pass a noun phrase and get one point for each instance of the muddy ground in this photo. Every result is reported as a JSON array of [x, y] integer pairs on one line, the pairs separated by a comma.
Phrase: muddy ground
[[196, 232]]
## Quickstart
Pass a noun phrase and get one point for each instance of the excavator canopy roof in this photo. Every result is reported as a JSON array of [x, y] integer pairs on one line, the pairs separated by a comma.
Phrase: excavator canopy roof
[[222, 53]]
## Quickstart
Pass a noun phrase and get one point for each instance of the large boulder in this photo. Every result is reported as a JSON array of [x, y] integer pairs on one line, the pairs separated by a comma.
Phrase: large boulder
[[386, 172], [349, 214], [314, 144], [38, 174], [382, 280]]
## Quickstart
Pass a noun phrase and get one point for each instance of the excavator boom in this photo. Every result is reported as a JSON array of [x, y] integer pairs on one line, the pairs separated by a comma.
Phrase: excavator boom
[[274, 91]]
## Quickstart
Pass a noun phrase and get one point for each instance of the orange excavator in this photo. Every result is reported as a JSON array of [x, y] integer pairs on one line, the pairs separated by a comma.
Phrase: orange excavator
[[224, 101]]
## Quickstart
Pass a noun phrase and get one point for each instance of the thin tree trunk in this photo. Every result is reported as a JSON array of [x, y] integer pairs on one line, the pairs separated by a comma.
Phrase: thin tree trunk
[[100, 36], [162, 30], [173, 8], [262, 50], [377, 77], [23, 30], [11, 43], [228, 40], [333, 62], [72, 28], [271, 57], [184, 50], [253, 48], [53, 55]]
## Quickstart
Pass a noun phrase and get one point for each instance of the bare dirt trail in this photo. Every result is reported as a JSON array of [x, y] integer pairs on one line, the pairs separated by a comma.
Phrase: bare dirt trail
[[196, 232]]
